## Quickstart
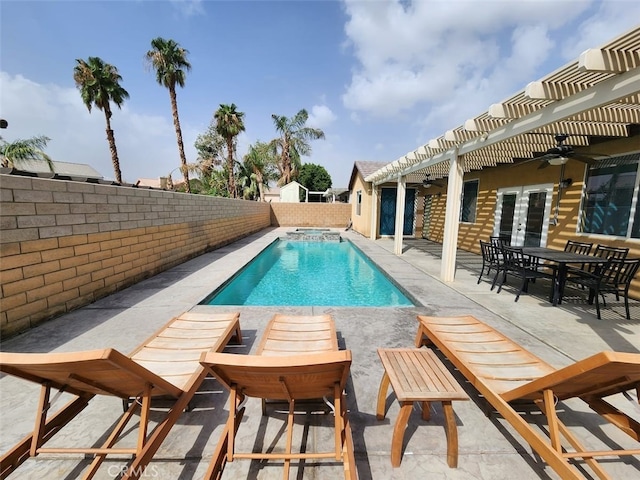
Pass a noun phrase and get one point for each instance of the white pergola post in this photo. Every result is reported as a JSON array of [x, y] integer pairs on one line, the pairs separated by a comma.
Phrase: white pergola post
[[451, 220], [374, 212], [399, 224]]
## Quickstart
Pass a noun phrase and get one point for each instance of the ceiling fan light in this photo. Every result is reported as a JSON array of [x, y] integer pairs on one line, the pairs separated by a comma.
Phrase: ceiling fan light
[[426, 184], [558, 161]]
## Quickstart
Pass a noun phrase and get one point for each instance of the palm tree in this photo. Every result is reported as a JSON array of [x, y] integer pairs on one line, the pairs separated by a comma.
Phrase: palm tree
[[293, 142], [261, 160], [99, 85], [247, 181], [13, 153], [169, 60], [229, 124]]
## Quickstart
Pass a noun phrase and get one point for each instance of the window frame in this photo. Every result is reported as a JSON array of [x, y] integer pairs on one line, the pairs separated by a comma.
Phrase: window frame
[[359, 203], [633, 215], [475, 201]]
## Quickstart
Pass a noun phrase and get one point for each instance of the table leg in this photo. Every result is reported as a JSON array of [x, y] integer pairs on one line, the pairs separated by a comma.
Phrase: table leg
[[561, 280], [398, 432], [426, 411], [452, 434], [382, 396]]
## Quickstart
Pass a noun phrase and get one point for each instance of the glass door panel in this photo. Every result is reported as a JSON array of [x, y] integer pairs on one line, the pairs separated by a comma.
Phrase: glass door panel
[[522, 214]]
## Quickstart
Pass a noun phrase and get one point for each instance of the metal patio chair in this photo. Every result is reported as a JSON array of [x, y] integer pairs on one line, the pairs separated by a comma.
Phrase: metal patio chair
[[615, 276]]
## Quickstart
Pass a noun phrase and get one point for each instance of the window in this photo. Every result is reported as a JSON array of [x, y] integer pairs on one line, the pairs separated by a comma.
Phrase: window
[[610, 203], [358, 202], [469, 201]]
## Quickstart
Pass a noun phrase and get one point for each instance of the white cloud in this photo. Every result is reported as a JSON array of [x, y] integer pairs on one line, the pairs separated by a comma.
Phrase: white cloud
[[189, 8], [443, 62], [146, 144], [321, 117]]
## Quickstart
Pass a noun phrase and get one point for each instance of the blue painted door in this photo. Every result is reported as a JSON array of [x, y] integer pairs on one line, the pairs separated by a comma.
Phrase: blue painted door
[[388, 211]]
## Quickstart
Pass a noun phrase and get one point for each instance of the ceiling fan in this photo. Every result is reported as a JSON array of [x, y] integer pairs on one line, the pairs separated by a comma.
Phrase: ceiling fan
[[427, 182], [561, 153]]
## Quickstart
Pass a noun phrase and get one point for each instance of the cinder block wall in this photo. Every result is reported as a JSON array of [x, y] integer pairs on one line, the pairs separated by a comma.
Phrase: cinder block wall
[[328, 215], [65, 244]]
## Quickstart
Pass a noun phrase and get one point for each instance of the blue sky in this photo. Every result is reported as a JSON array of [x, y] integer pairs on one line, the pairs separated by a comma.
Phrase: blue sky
[[379, 77]]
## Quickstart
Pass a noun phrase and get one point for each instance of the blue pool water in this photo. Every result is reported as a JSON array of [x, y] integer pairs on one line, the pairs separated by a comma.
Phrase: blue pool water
[[310, 273]]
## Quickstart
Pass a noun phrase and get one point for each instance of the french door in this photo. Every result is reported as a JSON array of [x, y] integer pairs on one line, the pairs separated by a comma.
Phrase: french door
[[522, 214], [388, 211]]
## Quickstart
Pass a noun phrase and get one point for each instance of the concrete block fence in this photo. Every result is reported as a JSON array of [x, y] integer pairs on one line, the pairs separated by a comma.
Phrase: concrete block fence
[[327, 215], [64, 244]]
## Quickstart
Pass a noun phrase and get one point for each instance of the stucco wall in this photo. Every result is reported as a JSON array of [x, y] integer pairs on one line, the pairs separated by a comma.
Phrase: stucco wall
[[328, 215], [64, 244], [361, 222]]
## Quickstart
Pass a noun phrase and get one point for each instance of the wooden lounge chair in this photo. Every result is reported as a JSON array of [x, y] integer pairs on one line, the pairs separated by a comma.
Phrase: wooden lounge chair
[[503, 372], [298, 334], [167, 364], [296, 360]]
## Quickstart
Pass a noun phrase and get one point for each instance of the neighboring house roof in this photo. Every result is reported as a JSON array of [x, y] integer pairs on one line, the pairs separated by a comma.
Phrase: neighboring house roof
[[365, 169], [292, 185], [152, 182], [335, 191], [60, 168]]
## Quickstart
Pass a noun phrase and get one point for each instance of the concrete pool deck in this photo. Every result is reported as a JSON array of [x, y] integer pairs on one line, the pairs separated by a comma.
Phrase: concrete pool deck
[[488, 447]]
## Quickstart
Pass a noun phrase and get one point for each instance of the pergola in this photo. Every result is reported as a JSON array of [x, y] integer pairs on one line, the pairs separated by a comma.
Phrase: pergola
[[598, 95]]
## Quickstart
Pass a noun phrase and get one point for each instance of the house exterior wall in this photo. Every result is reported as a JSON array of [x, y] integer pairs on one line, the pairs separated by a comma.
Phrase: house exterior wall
[[65, 244], [362, 222], [327, 215], [490, 180]]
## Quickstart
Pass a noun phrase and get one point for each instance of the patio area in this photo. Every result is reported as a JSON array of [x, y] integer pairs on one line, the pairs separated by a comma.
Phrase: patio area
[[489, 448]]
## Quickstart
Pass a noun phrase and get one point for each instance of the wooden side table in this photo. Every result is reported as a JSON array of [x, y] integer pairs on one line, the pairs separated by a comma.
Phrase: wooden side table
[[417, 375]]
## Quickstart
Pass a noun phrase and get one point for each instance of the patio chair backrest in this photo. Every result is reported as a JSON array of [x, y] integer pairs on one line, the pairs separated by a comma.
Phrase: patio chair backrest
[[488, 252], [515, 259], [500, 241], [619, 273], [582, 248], [605, 251]]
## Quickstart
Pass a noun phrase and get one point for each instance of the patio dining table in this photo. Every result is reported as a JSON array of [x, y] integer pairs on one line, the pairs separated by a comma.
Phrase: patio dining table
[[562, 259]]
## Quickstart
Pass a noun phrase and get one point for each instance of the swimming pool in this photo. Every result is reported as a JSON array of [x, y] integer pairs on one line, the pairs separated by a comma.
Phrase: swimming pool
[[310, 273]]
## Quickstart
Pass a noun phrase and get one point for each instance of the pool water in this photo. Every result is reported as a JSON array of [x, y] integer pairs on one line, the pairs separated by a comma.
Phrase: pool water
[[310, 273]]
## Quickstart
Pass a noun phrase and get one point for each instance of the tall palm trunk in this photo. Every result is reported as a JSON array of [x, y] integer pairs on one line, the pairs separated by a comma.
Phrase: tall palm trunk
[[286, 163], [232, 181], [112, 145], [260, 180], [176, 123]]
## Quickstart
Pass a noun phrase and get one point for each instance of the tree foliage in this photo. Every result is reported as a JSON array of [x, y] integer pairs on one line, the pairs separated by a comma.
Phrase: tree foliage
[[314, 177], [229, 124], [169, 60], [211, 148], [19, 151], [99, 85], [293, 143], [261, 161]]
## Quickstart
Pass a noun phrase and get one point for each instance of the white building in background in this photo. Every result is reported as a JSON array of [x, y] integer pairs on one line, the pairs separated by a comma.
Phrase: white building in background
[[290, 193]]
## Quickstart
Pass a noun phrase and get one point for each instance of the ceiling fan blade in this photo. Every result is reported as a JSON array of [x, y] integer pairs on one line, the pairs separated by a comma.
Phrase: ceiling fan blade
[[521, 161], [548, 156], [583, 159], [543, 164]]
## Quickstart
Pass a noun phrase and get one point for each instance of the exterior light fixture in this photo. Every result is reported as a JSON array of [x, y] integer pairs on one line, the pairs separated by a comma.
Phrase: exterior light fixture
[[558, 161], [565, 183]]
